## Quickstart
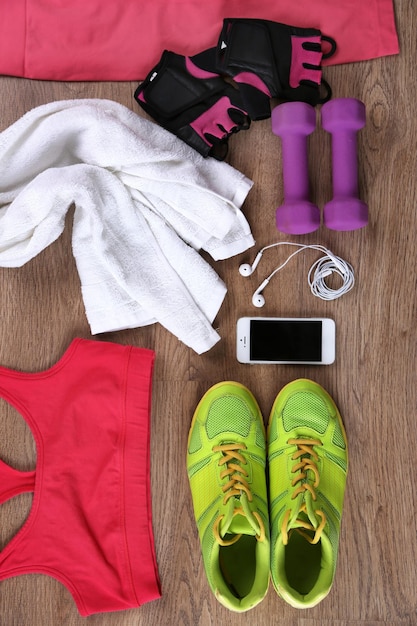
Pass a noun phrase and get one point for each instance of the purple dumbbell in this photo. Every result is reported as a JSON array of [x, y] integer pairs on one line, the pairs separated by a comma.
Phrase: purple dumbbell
[[343, 117], [293, 122]]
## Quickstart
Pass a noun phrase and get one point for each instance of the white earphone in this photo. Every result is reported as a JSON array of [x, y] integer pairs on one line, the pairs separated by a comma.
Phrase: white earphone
[[257, 299], [246, 270], [328, 264]]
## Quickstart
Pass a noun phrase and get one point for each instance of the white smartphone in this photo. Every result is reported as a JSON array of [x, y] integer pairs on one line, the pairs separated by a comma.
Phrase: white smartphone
[[284, 340]]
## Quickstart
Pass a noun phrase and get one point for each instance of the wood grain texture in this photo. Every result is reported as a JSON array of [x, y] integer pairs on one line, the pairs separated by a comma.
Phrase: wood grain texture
[[373, 380]]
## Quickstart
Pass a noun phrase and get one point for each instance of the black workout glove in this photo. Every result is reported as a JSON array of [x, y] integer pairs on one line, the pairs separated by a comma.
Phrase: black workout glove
[[270, 60], [198, 106]]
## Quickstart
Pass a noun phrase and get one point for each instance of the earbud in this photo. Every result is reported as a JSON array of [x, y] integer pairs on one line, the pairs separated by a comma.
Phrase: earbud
[[246, 269], [257, 299]]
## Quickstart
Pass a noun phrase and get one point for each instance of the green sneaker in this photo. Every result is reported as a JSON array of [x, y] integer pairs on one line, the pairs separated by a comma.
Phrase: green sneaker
[[226, 465], [307, 476]]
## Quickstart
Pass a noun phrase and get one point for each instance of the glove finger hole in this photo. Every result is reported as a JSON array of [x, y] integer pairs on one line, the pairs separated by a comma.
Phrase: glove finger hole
[[332, 43], [328, 92]]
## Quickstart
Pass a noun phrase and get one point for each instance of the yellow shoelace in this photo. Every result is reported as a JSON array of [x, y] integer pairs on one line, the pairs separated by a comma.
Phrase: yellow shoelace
[[306, 459], [237, 485]]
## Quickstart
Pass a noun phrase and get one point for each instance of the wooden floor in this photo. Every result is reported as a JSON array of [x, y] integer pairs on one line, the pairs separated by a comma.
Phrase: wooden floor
[[373, 379]]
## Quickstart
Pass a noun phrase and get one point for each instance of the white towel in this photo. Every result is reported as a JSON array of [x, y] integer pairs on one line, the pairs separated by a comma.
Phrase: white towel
[[145, 204]]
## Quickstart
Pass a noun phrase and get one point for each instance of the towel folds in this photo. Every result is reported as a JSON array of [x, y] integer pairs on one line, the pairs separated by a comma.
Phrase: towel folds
[[145, 205]]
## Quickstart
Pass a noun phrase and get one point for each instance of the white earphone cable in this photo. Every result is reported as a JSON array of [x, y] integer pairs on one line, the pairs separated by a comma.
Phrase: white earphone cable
[[325, 266]]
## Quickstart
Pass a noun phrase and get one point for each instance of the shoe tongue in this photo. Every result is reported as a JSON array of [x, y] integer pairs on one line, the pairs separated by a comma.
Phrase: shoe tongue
[[236, 523], [308, 514], [311, 514]]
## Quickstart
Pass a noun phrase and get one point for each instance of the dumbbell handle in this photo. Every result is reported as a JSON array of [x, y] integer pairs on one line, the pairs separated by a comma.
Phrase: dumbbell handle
[[295, 166], [344, 163]]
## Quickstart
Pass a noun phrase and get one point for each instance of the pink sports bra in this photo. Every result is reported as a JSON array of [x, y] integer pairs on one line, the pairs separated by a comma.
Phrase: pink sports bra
[[90, 524]]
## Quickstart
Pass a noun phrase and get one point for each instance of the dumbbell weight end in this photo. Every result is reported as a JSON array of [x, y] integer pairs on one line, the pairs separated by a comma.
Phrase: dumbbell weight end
[[298, 217], [345, 214]]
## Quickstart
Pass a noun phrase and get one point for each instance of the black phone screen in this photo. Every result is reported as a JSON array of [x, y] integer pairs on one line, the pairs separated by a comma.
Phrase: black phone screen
[[286, 340]]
